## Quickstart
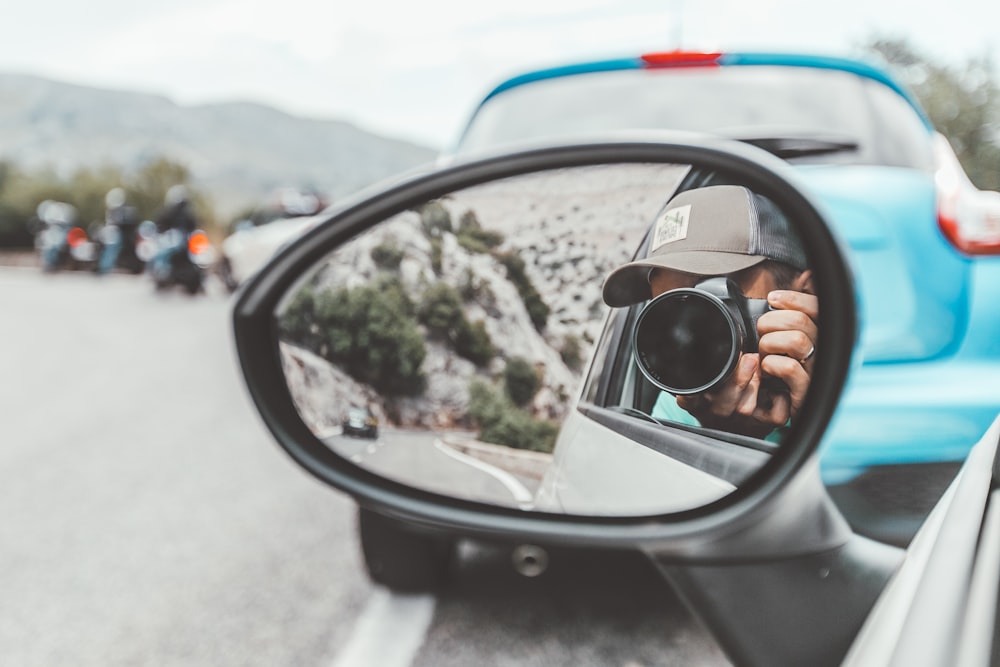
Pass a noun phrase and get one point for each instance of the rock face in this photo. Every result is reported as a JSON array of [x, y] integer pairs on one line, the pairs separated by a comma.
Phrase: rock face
[[570, 228]]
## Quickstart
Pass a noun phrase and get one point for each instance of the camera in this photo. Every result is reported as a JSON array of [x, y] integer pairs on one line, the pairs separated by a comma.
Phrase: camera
[[689, 340]]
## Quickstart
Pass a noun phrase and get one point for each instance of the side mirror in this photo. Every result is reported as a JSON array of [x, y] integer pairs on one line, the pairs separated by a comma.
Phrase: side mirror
[[457, 319]]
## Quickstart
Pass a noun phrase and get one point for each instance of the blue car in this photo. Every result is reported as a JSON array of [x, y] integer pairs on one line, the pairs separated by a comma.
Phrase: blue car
[[924, 241]]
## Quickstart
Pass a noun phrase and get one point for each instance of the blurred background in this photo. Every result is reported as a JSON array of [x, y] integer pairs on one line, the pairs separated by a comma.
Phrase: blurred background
[[241, 99], [148, 516]]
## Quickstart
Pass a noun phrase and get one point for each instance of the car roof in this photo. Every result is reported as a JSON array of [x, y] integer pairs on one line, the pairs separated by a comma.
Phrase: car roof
[[681, 59]]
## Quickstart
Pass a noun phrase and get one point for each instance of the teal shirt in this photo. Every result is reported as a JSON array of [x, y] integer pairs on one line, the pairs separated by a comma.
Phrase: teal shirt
[[666, 408]]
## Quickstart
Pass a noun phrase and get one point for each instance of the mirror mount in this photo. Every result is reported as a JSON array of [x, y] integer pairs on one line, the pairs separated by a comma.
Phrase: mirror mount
[[793, 610]]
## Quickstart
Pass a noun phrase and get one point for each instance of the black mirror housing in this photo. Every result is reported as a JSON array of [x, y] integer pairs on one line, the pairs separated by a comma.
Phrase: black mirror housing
[[723, 529]]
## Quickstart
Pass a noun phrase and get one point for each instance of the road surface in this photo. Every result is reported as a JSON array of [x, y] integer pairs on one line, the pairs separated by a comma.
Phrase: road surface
[[149, 519]]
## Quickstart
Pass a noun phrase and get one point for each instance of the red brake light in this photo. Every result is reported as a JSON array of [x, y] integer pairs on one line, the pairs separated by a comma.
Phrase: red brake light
[[969, 218], [198, 243], [681, 59], [75, 237]]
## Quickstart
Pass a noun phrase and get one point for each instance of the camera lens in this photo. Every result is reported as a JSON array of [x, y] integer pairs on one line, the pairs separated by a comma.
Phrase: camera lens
[[685, 341]]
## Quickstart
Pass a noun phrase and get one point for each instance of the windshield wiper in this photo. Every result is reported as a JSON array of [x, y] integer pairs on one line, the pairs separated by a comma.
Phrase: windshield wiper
[[793, 147]]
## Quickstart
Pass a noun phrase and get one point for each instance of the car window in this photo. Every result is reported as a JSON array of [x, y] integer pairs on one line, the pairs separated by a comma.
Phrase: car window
[[747, 102], [672, 346]]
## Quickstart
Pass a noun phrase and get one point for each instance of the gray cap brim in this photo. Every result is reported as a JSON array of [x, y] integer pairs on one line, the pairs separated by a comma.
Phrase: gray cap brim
[[629, 283]]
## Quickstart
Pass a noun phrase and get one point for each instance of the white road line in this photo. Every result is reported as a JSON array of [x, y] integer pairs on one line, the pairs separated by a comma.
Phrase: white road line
[[389, 632], [521, 494]]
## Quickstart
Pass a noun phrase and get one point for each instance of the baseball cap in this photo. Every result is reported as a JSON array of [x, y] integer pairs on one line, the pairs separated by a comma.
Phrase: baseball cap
[[710, 231]]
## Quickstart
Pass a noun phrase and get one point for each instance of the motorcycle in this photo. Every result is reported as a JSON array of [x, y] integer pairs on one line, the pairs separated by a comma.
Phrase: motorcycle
[[119, 246], [62, 244], [180, 259]]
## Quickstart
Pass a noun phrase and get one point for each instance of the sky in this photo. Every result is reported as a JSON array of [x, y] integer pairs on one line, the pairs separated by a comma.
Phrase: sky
[[415, 70]]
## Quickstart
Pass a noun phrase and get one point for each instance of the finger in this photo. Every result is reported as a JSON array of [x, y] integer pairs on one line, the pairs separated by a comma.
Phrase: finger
[[775, 411], [787, 320], [793, 374], [799, 301], [746, 403], [790, 343], [725, 400]]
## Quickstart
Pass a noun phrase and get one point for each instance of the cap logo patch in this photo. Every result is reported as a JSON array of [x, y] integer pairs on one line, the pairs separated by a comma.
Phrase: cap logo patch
[[671, 226]]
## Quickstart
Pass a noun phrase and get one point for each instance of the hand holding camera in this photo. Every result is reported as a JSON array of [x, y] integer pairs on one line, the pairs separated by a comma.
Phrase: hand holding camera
[[735, 363]]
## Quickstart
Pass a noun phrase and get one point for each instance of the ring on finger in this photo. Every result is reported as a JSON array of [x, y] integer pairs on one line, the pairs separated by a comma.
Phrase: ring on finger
[[812, 351]]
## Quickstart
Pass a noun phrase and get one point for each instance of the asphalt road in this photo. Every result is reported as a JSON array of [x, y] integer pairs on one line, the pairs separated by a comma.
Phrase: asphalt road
[[148, 518], [422, 458]]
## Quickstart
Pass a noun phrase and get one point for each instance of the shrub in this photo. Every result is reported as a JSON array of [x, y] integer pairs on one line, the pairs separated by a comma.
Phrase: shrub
[[502, 423], [370, 332], [298, 322], [571, 352], [537, 309], [477, 290], [473, 342], [521, 381], [441, 311], [473, 237], [436, 255], [518, 429], [435, 219], [388, 255]]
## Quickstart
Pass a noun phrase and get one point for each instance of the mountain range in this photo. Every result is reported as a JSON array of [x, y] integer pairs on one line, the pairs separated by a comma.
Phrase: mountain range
[[238, 152]]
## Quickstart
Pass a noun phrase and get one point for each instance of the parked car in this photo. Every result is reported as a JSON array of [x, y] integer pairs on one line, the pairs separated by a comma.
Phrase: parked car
[[924, 241], [287, 213], [360, 422], [248, 248], [760, 554]]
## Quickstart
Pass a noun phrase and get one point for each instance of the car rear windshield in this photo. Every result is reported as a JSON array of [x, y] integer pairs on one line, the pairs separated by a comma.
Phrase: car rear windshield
[[856, 119]]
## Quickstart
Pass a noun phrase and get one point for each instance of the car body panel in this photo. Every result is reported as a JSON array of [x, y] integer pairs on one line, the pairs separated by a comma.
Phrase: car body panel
[[640, 481], [886, 216], [247, 250]]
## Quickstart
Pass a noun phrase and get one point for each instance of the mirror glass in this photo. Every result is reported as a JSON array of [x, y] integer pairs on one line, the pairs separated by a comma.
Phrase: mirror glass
[[511, 343]]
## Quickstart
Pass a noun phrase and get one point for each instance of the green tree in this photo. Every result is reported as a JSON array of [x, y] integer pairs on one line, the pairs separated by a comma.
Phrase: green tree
[[521, 381], [435, 219], [537, 309], [476, 289], [371, 332], [963, 102], [387, 255], [88, 188], [21, 192], [298, 323], [148, 186], [572, 352], [473, 237], [473, 342], [442, 312], [436, 256]]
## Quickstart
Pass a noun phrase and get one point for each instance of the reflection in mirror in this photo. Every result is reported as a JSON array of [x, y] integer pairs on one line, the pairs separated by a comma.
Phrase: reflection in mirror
[[446, 347]]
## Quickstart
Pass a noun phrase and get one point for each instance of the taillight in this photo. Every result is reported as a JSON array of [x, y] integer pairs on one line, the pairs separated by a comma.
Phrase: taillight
[[681, 59], [969, 218], [198, 243], [76, 237]]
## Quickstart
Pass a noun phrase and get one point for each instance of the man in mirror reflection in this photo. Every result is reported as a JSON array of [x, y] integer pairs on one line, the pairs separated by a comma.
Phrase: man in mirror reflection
[[729, 231]]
